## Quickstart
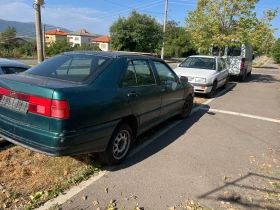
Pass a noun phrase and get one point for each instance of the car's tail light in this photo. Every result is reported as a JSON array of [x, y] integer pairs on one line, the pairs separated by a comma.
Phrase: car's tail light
[[242, 64], [43, 106], [60, 109], [40, 106]]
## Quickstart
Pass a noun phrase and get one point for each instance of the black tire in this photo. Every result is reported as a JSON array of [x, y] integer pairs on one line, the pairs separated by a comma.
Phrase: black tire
[[243, 77], [121, 140], [187, 107], [226, 84], [213, 90], [249, 74]]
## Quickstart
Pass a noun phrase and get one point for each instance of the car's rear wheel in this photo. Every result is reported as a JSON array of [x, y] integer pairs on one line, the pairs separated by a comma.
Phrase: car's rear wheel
[[187, 107], [249, 74], [213, 90], [243, 77], [119, 145]]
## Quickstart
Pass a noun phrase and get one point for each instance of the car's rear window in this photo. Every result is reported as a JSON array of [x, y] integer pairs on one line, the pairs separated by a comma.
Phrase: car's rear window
[[74, 68]]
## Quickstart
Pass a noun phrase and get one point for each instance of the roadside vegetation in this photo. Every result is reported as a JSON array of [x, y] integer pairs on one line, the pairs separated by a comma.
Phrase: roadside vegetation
[[276, 51], [261, 62]]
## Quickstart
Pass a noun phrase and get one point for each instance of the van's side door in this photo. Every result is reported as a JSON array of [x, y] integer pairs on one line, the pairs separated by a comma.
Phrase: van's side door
[[143, 94]]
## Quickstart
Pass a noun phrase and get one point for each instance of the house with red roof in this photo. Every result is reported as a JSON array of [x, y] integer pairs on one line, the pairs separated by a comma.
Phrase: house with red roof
[[103, 42], [53, 35]]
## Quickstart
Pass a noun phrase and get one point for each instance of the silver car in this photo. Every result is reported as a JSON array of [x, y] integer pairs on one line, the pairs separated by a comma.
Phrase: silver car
[[205, 73], [12, 67]]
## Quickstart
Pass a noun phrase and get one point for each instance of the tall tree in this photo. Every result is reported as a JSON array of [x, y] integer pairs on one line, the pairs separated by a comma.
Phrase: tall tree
[[138, 32], [8, 39], [223, 22], [178, 42]]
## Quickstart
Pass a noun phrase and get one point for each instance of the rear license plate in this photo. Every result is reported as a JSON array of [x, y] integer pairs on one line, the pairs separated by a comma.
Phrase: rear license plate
[[14, 104]]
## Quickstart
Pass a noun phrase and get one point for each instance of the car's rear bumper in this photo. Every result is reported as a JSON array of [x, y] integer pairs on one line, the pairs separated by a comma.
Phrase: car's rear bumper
[[56, 144]]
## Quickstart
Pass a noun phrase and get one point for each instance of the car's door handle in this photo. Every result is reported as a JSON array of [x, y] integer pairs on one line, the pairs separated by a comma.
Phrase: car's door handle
[[133, 94]]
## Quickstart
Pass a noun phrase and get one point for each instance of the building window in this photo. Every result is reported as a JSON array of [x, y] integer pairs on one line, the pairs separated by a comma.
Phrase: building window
[[77, 39]]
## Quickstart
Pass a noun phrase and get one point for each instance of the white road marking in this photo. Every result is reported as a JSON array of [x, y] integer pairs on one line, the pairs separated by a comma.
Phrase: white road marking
[[240, 114], [76, 189]]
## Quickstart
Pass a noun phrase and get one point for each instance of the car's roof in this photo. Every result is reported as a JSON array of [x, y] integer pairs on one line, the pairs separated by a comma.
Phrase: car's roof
[[205, 56], [11, 63], [111, 54]]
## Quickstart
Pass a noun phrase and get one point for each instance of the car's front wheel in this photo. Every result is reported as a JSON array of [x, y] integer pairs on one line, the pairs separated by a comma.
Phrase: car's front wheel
[[119, 145], [187, 107], [213, 90]]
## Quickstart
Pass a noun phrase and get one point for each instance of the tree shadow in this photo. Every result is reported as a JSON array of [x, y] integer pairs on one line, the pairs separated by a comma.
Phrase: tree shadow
[[161, 142], [261, 78], [236, 198], [265, 67]]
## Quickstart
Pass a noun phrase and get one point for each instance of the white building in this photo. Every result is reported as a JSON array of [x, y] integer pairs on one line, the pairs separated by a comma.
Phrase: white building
[[103, 42], [80, 37]]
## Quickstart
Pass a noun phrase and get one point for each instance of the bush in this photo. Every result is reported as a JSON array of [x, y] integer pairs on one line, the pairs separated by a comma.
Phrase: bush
[[276, 51]]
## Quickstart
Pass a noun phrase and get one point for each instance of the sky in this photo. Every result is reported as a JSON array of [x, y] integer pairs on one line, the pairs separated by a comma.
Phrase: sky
[[96, 16]]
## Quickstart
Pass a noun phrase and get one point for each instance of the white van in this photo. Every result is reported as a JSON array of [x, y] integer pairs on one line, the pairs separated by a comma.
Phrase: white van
[[239, 59]]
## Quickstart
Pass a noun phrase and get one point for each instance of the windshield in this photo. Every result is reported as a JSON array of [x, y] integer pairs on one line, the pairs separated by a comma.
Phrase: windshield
[[199, 63], [234, 51], [74, 68]]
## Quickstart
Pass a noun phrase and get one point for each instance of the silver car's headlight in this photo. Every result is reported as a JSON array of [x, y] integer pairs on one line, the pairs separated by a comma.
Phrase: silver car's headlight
[[199, 79]]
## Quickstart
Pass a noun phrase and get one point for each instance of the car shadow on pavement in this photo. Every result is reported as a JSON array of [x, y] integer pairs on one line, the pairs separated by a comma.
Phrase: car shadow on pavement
[[249, 197], [162, 141], [261, 78]]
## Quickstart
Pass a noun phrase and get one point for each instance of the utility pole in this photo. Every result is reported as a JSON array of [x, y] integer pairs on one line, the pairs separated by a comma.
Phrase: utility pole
[[37, 7], [44, 42], [164, 28]]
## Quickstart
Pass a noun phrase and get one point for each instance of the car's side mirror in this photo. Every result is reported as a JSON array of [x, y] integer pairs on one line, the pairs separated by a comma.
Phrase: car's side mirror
[[183, 79], [178, 64]]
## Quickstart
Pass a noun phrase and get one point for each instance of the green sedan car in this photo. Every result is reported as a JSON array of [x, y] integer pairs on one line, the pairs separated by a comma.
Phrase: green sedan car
[[84, 102]]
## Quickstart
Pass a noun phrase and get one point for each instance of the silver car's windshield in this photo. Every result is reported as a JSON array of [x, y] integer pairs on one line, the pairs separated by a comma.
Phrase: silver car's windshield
[[199, 63]]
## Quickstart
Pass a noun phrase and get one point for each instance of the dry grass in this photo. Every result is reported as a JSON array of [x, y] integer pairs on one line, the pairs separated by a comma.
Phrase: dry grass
[[199, 100], [261, 62], [23, 173]]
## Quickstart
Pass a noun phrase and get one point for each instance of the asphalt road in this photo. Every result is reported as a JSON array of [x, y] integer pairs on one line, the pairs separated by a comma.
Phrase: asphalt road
[[222, 156]]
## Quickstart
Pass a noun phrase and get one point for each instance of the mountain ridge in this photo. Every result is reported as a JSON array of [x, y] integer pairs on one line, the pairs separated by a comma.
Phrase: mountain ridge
[[25, 29]]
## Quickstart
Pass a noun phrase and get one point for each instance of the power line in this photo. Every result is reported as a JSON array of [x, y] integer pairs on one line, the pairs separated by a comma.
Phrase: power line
[[132, 7], [93, 19], [145, 6]]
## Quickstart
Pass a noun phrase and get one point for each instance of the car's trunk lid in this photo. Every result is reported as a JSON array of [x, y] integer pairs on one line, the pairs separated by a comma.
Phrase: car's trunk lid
[[19, 92]]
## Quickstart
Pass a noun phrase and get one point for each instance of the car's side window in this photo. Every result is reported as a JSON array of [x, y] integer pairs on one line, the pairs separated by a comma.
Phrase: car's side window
[[144, 74], [138, 73], [166, 76], [130, 76], [13, 70], [220, 65], [224, 63]]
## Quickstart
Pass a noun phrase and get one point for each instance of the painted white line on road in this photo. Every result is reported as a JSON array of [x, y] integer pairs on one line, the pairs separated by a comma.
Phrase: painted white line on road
[[76, 189], [240, 114]]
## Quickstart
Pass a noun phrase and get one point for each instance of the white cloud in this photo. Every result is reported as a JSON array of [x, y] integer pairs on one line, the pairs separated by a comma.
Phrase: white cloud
[[68, 17]]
